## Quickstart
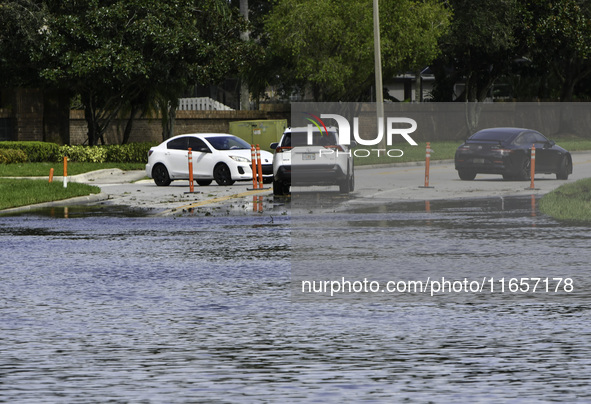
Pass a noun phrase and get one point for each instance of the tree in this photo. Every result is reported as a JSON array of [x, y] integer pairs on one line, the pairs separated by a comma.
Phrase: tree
[[118, 55], [559, 35], [480, 47], [21, 23], [258, 68], [327, 45]]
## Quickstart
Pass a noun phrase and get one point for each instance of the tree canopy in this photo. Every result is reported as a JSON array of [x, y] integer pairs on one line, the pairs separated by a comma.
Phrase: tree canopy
[[542, 49], [126, 57], [560, 44], [328, 45], [125, 53], [480, 46], [20, 32]]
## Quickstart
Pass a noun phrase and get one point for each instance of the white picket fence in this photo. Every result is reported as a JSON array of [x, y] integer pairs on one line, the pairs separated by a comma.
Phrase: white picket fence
[[201, 104]]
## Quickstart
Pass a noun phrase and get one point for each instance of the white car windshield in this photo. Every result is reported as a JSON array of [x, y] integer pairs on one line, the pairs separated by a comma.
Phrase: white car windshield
[[227, 142]]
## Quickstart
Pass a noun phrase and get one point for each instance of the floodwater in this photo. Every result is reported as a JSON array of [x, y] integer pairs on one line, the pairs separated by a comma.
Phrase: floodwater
[[128, 308]]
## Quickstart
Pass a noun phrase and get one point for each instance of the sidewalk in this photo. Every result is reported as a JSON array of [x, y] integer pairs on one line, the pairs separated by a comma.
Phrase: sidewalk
[[133, 189]]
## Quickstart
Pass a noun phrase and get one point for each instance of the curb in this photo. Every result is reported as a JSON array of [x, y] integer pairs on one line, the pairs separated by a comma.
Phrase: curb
[[94, 175], [90, 176], [78, 200]]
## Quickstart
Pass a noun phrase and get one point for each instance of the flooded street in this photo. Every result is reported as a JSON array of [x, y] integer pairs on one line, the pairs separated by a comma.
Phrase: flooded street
[[109, 305]]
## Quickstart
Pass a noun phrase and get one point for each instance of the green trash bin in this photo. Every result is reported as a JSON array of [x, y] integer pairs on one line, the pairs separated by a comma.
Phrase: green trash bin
[[263, 132]]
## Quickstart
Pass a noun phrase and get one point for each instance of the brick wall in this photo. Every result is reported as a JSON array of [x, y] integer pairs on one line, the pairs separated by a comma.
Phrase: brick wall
[[150, 129], [5, 124], [28, 114]]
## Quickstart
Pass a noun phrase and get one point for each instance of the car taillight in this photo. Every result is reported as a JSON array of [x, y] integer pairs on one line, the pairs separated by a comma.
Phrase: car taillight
[[500, 150], [282, 149], [464, 148], [150, 153]]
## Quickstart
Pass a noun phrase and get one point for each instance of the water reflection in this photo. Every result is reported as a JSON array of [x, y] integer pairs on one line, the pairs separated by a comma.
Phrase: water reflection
[[488, 240], [257, 204], [82, 211], [108, 307]]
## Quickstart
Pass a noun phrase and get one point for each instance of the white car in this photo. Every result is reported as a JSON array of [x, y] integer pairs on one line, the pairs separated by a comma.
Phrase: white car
[[218, 157], [315, 158]]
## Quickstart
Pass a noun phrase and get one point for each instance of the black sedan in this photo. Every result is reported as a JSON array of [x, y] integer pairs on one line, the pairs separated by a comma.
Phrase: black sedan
[[507, 151]]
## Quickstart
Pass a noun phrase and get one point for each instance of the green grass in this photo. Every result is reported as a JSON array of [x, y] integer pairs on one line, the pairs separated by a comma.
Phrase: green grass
[[42, 169], [569, 201], [18, 192], [574, 144], [444, 150], [441, 151]]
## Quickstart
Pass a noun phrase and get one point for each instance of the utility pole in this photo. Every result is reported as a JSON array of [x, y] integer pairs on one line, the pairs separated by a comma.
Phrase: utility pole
[[378, 65], [244, 92]]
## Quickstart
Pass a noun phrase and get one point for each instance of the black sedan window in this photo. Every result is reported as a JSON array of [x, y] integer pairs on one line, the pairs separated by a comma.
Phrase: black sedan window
[[525, 139], [539, 138], [491, 136]]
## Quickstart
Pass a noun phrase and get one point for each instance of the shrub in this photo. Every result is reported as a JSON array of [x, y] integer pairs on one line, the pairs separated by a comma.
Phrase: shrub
[[9, 156], [51, 152], [128, 153], [35, 151], [84, 154]]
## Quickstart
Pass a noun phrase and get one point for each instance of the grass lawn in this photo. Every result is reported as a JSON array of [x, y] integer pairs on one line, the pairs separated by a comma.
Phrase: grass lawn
[[42, 169], [569, 201], [441, 151], [18, 192]]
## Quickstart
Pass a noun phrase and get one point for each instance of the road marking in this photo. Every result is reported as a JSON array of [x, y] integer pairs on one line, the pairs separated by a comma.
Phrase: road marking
[[214, 200]]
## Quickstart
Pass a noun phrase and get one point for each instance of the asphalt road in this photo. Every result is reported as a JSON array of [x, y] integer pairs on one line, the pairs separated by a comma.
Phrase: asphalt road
[[374, 185], [404, 183], [400, 182]]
